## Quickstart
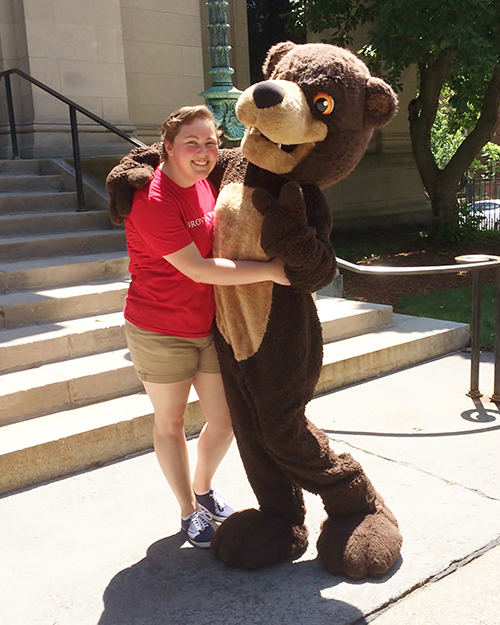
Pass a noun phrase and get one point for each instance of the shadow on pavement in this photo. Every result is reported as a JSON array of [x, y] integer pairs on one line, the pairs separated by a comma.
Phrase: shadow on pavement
[[176, 584]]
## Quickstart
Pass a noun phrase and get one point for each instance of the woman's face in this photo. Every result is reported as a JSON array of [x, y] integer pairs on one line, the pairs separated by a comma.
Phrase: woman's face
[[193, 152]]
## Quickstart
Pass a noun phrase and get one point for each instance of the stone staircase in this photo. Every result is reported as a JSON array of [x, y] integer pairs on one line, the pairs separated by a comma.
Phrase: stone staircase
[[69, 397]]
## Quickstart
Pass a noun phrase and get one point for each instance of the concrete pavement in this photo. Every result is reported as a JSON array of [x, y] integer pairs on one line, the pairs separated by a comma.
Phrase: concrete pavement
[[104, 547]]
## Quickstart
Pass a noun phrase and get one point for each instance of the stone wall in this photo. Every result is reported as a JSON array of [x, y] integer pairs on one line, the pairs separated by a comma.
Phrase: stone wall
[[76, 49], [385, 189], [132, 62]]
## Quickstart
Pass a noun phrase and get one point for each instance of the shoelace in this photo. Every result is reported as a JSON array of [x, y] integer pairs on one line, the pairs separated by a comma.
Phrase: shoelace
[[220, 504], [200, 520]]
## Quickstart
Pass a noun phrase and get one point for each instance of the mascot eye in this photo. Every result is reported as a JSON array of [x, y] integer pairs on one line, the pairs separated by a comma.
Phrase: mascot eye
[[324, 103]]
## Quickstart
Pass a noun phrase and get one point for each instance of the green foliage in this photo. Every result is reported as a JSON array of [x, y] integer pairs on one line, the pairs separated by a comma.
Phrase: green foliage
[[445, 138], [340, 17], [489, 161], [454, 45], [408, 32]]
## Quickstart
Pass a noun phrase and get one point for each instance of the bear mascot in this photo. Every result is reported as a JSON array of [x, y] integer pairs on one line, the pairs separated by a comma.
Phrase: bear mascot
[[308, 125]]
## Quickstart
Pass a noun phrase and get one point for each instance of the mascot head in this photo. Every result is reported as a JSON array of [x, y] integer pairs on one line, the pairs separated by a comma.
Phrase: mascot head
[[313, 116]]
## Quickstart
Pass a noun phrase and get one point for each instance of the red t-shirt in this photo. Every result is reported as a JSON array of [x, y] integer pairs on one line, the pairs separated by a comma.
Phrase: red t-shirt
[[164, 219]]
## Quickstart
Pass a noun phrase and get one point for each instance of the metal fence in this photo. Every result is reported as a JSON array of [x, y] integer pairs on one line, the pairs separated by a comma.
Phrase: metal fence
[[479, 195]]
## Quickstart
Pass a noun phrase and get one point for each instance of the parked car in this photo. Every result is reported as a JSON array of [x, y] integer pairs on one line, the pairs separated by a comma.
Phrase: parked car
[[488, 211]]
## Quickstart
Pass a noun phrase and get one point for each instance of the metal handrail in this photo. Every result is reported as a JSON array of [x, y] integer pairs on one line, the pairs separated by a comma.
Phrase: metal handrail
[[479, 263], [73, 108]]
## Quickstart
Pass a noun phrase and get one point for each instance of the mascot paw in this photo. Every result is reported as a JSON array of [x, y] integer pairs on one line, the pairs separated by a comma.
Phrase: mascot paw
[[139, 177], [252, 539], [291, 201], [360, 545]]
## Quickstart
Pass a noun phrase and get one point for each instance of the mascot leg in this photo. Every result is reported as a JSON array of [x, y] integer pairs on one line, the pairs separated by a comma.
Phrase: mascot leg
[[360, 536], [252, 539], [283, 452]]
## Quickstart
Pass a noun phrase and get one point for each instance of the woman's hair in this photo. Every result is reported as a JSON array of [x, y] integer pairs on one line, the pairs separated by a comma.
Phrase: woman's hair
[[185, 115]]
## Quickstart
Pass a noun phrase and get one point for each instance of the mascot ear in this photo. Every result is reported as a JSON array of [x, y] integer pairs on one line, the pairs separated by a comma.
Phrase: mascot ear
[[274, 55], [381, 103]]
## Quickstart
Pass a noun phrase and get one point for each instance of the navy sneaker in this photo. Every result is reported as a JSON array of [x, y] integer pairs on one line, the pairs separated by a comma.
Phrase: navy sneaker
[[215, 504], [198, 528]]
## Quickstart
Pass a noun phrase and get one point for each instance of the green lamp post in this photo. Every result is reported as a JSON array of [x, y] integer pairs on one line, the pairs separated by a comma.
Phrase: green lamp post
[[222, 95]]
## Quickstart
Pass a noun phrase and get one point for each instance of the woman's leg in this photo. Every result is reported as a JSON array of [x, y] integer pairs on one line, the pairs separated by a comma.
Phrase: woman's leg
[[169, 403], [217, 434]]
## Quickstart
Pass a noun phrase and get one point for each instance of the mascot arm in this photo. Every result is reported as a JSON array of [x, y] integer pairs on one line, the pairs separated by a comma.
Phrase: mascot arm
[[230, 167], [297, 228], [134, 171]]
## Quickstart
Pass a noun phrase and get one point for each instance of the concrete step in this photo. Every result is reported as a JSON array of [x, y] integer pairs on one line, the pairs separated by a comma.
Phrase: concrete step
[[66, 243], [40, 306], [46, 272], [29, 182], [53, 222], [341, 318], [34, 451], [32, 346], [408, 341], [69, 383], [87, 436], [37, 201], [19, 167]]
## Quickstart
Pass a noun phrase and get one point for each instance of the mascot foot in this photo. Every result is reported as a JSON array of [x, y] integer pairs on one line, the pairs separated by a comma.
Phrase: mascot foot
[[252, 539], [360, 545]]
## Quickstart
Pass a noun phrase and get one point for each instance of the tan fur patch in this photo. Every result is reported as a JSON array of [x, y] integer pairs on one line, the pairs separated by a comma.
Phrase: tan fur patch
[[242, 311], [289, 122], [267, 155]]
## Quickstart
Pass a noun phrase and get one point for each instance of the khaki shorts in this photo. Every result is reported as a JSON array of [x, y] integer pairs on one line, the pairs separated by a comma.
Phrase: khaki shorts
[[166, 359]]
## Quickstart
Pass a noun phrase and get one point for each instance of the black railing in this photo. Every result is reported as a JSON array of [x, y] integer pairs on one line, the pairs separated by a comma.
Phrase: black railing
[[476, 264], [479, 196], [73, 109]]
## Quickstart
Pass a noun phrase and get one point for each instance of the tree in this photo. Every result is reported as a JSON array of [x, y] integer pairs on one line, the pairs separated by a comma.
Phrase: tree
[[455, 46]]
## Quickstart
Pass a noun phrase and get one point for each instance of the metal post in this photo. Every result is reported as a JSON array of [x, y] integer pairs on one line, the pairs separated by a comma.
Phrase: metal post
[[222, 96], [12, 121], [496, 384], [475, 335], [76, 156]]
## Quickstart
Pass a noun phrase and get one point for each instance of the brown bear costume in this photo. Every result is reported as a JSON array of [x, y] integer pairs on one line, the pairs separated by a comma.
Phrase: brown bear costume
[[309, 124]]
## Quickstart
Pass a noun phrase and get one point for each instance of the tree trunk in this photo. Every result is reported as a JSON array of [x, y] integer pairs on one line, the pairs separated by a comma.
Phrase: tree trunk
[[421, 115], [441, 185]]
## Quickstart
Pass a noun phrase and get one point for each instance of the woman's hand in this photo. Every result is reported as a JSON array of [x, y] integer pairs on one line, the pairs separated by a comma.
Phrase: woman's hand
[[277, 267]]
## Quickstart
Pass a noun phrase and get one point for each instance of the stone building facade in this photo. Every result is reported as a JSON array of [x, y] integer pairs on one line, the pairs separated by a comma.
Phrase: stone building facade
[[132, 62]]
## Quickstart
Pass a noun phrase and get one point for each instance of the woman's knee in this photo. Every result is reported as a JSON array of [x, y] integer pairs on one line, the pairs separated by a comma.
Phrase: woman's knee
[[168, 424]]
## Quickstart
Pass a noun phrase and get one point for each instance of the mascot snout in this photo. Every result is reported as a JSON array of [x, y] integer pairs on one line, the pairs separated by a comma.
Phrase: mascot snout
[[281, 128]]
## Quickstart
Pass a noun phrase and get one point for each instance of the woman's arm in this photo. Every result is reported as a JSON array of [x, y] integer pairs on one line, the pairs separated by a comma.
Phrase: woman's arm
[[224, 272]]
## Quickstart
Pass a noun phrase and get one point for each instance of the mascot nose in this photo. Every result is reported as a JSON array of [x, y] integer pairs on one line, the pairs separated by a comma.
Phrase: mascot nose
[[267, 94]]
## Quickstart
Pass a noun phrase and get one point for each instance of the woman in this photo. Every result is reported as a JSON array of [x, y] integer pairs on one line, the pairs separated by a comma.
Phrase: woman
[[170, 310]]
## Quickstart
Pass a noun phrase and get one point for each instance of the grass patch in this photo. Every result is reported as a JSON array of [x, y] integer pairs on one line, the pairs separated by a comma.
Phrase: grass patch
[[455, 305], [442, 297]]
